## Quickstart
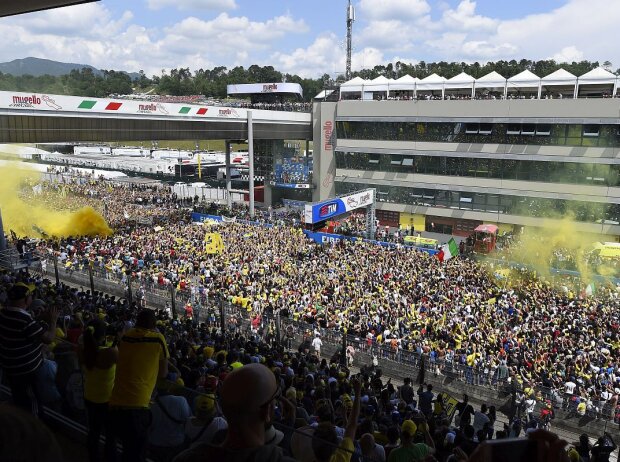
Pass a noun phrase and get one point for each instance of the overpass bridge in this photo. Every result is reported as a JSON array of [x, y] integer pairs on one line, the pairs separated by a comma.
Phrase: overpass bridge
[[45, 118]]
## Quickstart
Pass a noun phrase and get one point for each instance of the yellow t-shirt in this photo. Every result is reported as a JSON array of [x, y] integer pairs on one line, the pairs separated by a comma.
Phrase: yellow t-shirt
[[344, 451], [98, 383], [139, 353]]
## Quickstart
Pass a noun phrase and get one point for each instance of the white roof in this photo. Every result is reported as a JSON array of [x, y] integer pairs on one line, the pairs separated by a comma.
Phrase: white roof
[[324, 94], [598, 75], [432, 82], [491, 80], [379, 84], [353, 85], [463, 80], [406, 82], [525, 79], [559, 77]]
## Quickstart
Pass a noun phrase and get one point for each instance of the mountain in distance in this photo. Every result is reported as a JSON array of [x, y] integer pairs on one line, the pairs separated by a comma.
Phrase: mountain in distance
[[39, 66]]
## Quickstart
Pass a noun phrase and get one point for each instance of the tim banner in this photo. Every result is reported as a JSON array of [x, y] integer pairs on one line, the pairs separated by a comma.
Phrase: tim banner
[[321, 211]]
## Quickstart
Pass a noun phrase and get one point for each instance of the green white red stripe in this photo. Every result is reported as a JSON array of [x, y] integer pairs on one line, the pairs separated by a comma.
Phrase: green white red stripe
[[87, 104], [447, 251]]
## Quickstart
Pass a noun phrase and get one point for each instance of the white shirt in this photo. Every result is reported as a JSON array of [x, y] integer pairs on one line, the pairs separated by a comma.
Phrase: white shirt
[[317, 343], [569, 387]]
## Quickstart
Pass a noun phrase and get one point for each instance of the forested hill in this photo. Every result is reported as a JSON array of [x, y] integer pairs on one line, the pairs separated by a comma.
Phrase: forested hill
[[88, 81]]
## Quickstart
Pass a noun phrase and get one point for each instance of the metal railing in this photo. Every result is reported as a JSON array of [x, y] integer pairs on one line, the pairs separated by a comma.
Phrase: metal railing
[[215, 312]]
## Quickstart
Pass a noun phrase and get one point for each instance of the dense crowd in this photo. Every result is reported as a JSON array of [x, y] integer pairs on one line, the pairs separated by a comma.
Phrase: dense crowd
[[555, 345], [318, 409]]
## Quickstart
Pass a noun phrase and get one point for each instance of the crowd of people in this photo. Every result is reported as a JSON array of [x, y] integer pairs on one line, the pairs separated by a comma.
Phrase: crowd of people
[[232, 395], [554, 345]]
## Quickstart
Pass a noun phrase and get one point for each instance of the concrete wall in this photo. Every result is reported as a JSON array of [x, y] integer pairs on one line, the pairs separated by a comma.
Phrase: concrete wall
[[593, 111], [324, 130]]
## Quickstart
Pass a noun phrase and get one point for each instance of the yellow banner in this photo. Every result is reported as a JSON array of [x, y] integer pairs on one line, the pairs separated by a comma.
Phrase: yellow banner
[[214, 243]]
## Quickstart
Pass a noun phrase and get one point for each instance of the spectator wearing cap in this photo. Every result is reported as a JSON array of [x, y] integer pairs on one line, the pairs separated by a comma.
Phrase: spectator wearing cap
[[142, 359], [206, 424], [21, 341], [408, 451], [248, 397]]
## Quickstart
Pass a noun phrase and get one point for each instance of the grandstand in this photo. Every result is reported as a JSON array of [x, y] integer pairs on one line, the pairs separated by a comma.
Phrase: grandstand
[[450, 154]]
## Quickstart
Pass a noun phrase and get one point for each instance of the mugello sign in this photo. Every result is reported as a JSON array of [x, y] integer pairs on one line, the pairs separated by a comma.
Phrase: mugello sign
[[44, 102]]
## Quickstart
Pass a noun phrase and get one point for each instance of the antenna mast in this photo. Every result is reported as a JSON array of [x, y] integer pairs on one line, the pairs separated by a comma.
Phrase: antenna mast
[[350, 21]]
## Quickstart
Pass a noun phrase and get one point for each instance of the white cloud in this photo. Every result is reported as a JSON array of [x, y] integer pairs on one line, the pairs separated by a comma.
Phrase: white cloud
[[90, 34], [94, 34], [568, 55], [465, 18], [217, 5], [488, 50], [394, 9]]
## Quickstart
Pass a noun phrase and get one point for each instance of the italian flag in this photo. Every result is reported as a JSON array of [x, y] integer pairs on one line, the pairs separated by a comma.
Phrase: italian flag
[[447, 251]]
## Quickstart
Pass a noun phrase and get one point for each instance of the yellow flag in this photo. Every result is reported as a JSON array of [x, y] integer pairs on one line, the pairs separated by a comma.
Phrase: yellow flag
[[214, 243]]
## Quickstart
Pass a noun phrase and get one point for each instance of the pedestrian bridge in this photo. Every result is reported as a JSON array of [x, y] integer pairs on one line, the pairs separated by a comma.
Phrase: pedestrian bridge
[[44, 118]]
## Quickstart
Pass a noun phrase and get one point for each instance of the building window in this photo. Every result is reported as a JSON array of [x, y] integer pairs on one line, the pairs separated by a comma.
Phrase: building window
[[591, 130]]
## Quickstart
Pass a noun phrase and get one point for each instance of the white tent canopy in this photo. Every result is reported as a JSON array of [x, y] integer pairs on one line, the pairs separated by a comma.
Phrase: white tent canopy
[[462, 80], [559, 77], [379, 84], [353, 85], [597, 82], [432, 82], [525, 79], [597, 76], [406, 82], [491, 80]]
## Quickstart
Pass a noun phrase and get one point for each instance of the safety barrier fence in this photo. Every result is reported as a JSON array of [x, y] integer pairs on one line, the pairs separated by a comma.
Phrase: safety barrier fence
[[217, 312]]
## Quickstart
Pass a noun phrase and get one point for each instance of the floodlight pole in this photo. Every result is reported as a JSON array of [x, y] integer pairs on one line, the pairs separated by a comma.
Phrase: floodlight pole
[[350, 20]]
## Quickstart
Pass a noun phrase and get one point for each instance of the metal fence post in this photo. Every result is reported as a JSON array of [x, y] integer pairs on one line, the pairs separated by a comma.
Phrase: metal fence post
[[129, 294], [173, 301], [222, 316], [343, 353], [92, 279], [56, 271], [278, 327]]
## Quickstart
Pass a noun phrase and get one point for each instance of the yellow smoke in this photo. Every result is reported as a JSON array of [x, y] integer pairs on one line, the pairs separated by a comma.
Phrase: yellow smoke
[[27, 219], [537, 246]]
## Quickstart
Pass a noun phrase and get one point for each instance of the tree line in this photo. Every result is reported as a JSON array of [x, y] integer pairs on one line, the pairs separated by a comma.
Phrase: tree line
[[212, 82]]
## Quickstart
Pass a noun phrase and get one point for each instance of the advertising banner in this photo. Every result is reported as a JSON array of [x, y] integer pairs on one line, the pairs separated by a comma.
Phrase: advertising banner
[[52, 103], [332, 208], [201, 217]]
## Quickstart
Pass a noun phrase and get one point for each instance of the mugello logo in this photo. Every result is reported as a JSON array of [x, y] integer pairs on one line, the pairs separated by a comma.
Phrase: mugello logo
[[31, 101], [328, 209], [151, 108]]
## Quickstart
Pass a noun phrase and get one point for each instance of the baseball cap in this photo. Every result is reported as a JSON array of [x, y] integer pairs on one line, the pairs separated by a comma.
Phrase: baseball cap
[[19, 291], [409, 427]]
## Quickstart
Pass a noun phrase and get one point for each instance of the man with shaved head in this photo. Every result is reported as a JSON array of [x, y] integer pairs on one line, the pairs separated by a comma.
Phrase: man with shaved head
[[247, 397]]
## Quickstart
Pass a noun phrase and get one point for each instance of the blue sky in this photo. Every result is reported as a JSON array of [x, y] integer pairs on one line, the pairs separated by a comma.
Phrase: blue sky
[[307, 36]]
